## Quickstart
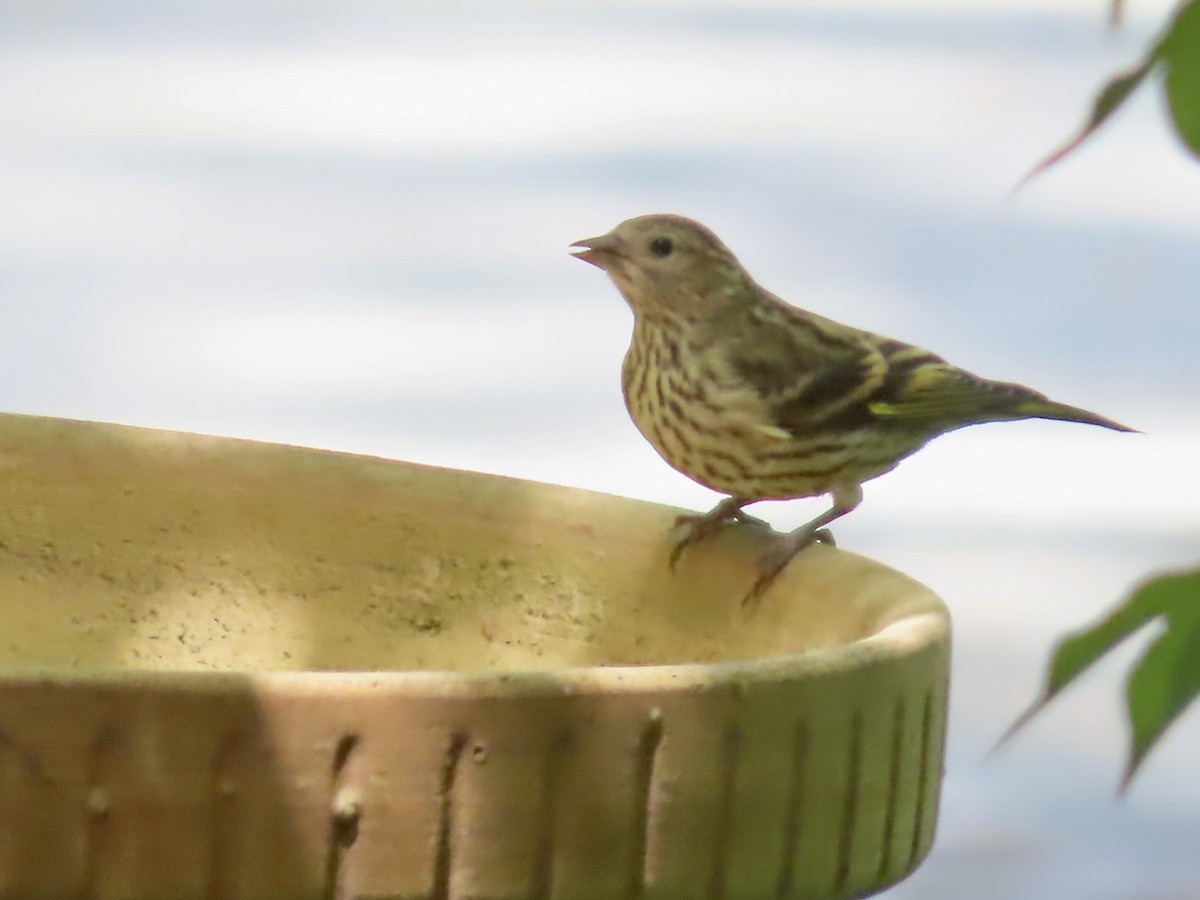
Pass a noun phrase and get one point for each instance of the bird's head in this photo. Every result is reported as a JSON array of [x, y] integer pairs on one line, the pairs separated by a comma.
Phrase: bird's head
[[665, 263]]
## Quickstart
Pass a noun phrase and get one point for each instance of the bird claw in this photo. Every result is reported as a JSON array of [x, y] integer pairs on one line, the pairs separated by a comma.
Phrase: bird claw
[[702, 526], [699, 527], [776, 559]]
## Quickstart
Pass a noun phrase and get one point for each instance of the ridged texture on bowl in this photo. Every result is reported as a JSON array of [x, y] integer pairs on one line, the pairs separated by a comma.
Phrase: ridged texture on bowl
[[742, 785]]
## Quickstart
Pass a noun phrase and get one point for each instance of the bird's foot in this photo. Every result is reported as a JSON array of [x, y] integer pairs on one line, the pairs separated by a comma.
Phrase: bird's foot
[[700, 527], [775, 560]]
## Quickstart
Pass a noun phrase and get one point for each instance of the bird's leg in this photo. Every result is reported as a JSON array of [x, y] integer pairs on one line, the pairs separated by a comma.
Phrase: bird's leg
[[700, 527], [771, 563]]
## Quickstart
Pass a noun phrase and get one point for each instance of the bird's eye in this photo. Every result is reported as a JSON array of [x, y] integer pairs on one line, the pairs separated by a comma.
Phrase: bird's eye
[[661, 247]]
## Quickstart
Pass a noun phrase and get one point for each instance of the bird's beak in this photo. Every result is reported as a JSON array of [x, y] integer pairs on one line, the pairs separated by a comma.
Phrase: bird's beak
[[599, 251]]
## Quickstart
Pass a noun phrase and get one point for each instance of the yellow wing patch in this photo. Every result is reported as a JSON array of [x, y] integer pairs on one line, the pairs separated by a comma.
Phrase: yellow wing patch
[[930, 392], [932, 377], [883, 410], [773, 431]]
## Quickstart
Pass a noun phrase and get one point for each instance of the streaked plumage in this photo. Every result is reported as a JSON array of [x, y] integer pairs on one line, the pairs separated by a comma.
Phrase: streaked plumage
[[759, 400]]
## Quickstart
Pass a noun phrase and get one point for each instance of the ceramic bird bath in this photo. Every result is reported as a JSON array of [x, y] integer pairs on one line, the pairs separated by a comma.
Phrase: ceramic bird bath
[[231, 669]]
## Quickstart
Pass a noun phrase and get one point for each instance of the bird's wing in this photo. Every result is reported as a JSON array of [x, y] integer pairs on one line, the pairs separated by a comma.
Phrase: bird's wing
[[805, 369], [922, 387], [932, 393], [813, 373], [808, 373]]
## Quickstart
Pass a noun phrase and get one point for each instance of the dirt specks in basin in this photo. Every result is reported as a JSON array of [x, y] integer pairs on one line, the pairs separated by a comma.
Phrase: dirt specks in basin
[[397, 608], [161, 597]]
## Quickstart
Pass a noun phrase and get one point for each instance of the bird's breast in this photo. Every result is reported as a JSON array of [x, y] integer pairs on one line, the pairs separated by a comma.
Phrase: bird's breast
[[701, 422], [716, 429]]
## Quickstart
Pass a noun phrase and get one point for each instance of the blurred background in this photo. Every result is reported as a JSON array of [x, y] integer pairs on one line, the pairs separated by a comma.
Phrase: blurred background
[[343, 223]]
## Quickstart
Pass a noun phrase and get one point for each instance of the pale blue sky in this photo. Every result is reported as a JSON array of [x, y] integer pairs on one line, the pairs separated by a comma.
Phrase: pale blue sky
[[345, 224]]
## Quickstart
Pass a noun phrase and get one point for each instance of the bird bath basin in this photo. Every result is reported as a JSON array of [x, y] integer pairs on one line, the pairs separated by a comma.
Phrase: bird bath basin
[[240, 669]]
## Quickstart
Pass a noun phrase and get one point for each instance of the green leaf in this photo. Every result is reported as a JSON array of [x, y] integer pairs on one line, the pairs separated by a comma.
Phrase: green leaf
[[1167, 677], [1115, 92], [1180, 51], [1174, 597]]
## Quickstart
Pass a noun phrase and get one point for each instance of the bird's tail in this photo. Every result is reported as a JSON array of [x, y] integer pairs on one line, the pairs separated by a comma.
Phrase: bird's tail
[[1048, 409]]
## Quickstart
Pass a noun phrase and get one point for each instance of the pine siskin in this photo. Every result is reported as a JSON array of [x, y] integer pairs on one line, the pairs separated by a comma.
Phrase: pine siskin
[[757, 399]]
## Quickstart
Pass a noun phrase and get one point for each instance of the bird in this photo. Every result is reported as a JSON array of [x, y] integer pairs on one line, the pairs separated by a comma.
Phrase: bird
[[758, 400]]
